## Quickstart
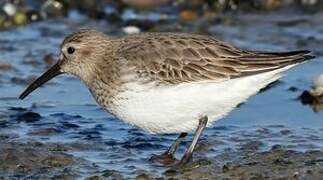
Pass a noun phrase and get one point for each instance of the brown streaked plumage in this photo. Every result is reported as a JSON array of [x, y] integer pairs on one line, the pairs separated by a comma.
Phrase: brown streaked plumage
[[180, 57], [167, 82]]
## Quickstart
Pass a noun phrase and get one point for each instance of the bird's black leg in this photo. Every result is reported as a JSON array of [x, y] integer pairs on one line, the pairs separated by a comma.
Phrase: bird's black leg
[[189, 152], [168, 156], [172, 149]]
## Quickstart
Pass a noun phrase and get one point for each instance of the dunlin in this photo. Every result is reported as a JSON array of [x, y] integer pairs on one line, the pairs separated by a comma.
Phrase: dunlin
[[167, 82]]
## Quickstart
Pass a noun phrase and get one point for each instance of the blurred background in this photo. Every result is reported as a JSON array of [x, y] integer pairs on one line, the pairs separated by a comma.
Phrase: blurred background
[[60, 132], [148, 15]]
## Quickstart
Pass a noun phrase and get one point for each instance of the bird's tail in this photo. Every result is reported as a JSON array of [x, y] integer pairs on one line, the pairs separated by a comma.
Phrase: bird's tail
[[284, 58], [260, 62]]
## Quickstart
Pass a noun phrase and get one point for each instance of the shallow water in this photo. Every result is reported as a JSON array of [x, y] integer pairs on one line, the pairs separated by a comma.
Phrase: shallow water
[[64, 112]]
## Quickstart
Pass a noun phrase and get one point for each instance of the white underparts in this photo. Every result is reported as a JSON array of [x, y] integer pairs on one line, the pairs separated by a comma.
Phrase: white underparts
[[175, 109]]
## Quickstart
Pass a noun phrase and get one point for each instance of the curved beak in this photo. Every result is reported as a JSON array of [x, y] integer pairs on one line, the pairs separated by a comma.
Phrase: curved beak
[[48, 75]]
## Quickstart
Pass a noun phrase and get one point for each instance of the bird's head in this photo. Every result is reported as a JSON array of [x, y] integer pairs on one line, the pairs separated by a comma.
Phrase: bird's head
[[78, 55]]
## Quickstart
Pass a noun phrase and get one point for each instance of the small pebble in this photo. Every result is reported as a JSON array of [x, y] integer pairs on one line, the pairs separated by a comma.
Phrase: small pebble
[[5, 66], [131, 30], [28, 117], [145, 4], [9, 9], [318, 86], [296, 174], [33, 16], [225, 168], [58, 161], [273, 4], [113, 174], [48, 59], [20, 18], [53, 8], [293, 89], [188, 15], [309, 2], [95, 178]]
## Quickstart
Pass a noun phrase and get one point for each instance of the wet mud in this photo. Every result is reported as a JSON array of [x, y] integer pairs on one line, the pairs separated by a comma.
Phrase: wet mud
[[251, 158]]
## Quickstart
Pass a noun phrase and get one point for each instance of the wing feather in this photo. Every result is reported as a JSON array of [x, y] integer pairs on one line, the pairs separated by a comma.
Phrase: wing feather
[[177, 57]]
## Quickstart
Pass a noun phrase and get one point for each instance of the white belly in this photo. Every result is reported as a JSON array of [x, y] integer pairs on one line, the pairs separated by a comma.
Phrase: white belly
[[174, 109]]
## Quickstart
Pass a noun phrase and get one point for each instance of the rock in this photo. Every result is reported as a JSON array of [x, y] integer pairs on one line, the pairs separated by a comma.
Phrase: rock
[[9, 9], [314, 97], [112, 174], [53, 8], [145, 4], [95, 178], [251, 146], [143, 176], [317, 86], [57, 161], [48, 59], [131, 30], [188, 15], [5, 66], [20, 18], [316, 102], [293, 89], [33, 16], [309, 2], [273, 4], [306, 98], [27, 116], [35, 160]]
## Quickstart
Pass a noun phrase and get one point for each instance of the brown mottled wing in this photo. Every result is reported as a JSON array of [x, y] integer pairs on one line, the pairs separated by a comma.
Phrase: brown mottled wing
[[174, 58]]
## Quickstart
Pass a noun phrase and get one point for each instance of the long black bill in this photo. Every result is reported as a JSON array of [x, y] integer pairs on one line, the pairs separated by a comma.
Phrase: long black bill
[[48, 75]]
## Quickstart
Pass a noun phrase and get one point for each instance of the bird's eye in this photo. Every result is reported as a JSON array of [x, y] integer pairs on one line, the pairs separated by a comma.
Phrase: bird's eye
[[70, 50]]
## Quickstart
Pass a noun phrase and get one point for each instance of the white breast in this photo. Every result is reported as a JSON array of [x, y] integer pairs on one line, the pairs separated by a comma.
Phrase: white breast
[[174, 109]]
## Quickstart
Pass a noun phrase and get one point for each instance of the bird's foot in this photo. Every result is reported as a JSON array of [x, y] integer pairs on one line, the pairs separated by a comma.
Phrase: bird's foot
[[164, 159], [184, 161], [179, 166]]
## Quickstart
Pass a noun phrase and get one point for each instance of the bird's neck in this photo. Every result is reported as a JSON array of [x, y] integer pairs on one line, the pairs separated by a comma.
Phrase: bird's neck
[[104, 93], [105, 84]]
